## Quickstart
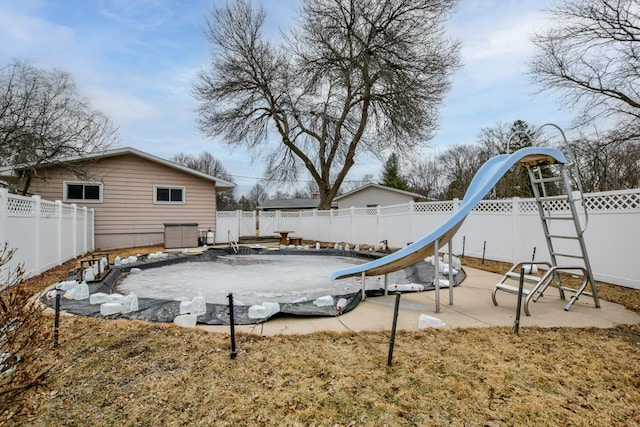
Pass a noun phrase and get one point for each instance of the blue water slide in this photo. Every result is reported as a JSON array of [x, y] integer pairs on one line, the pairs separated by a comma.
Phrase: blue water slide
[[484, 180]]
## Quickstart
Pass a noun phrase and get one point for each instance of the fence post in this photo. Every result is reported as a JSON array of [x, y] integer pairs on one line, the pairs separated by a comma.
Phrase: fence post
[[412, 236], [314, 225], [4, 214], [85, 240], [353, 225], [454, 209], [240, 220], [93, 229], [515, 230], [74, 230], [37, 231], [378, 226], [59, 232]]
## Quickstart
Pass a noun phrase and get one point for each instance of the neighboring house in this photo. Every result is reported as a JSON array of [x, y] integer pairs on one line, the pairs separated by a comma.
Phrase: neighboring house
[[134, 194], [299, 204], [371, 195]]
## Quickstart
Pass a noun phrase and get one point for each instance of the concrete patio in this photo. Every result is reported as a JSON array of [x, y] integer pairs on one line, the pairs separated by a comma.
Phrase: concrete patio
[[472, 307]]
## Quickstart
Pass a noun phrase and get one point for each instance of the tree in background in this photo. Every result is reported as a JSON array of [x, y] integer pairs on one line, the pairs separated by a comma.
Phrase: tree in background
[[591, 57], [257, 196], [43, 119], [459, 165], [355, 76], [516, 182], [604, 163], [244, 204], [391, 176], [356, 183], [426, 177], [207, 163]]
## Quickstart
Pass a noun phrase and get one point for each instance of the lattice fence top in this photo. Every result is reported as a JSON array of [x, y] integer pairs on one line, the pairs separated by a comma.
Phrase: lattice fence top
[[528, 207], [342, 212], [248, 214], [48, 209], [494, 206], [614, 201], [21, 206], [619, 201], [227, 214], [266, 214], [433, 207], [394, 210], [285, 214]]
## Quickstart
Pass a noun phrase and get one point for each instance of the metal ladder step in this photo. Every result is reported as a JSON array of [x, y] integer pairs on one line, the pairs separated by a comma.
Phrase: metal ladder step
[[548, 179], [558, 236], [511, 289], [516, 276], [559, 198], [567, 255]]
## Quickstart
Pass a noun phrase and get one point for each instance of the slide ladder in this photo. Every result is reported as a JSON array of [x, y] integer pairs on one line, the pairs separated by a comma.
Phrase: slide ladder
[[564, 235]]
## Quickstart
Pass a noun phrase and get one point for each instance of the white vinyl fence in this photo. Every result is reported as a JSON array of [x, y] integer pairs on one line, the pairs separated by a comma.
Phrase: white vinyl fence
[[505, 230], [44, 234]]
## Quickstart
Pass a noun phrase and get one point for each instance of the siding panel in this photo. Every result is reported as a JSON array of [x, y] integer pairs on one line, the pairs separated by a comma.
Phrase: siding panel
[[127, 206]]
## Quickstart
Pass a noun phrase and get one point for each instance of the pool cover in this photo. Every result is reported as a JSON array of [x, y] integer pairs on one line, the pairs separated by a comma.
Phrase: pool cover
[[158, 310]]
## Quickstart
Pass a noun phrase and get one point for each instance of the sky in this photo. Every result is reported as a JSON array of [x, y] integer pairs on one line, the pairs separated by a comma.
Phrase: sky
[[136, 61]]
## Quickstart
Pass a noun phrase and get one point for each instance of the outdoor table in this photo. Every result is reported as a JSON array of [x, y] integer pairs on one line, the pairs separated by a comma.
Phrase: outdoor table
[[283, 236]]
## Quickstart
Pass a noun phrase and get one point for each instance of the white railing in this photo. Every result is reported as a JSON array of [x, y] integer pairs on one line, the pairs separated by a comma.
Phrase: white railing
[[507, 230], [44, 234]]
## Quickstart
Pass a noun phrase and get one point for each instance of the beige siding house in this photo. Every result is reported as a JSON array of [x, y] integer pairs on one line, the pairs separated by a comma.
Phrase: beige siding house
[[372, 195], [134, 195]]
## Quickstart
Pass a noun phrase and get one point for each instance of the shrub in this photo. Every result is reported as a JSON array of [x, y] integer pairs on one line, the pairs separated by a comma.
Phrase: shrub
[[24, 336]]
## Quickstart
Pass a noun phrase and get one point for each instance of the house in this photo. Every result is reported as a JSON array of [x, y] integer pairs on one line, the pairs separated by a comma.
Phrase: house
[[133, 194], [297, 204], [371, 195]]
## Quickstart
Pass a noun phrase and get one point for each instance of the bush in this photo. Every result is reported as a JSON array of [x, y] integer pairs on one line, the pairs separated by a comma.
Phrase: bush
[[24, 336]]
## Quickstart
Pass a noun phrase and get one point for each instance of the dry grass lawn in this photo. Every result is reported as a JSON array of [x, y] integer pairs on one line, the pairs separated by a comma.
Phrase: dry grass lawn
[[131, 373]]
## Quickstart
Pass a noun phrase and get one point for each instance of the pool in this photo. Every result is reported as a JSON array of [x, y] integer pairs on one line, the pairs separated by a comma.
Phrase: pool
[[297, 281], [252, 279]]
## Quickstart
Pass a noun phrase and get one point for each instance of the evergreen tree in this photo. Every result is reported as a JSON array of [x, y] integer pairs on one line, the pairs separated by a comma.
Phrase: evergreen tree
[[391, 176]]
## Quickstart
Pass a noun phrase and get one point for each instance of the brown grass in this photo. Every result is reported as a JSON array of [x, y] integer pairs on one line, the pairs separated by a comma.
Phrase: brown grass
[[134, 373]]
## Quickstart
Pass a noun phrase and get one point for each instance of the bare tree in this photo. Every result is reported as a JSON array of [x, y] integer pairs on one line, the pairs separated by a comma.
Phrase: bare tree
[[591, 56], [460, 164], [426, 177], [257, 196], [43, 119], [351, 185], [504, 138], [605, 163], [207, 163], [355, 76]]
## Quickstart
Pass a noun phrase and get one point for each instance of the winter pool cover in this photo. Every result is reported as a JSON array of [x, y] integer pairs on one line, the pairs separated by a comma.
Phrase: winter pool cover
[[293, 278]]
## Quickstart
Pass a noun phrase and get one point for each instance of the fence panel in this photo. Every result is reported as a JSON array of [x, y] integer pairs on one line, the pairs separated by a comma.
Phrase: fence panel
[[44, 234], [48, 235], [511, 229], [247, 223], [227, 222]]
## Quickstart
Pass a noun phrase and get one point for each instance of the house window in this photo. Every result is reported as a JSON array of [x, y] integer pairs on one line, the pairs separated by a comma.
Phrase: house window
[[85, 192], [163, 194]]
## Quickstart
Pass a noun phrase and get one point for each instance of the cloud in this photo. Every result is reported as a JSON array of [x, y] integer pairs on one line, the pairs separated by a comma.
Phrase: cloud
[[139, 14], [21, 32], [503, 39]]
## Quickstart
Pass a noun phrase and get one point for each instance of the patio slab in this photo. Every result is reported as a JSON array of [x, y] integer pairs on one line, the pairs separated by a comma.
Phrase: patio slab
[[472, 307]]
